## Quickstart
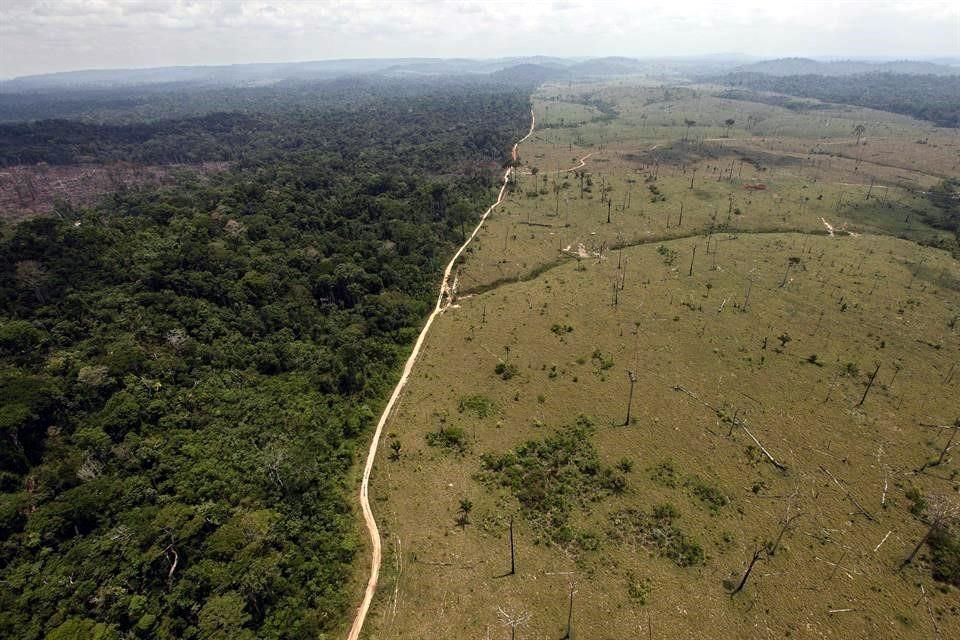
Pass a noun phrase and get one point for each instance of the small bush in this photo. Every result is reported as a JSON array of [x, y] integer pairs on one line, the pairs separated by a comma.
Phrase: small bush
[[505, 370], [707, 493], [665, 511], [561, 329], [918, 503], [638, 588], [945, 555], [664, 474], [657, 529], [602, 363], [453, 438], [480, 406], [669, 255]]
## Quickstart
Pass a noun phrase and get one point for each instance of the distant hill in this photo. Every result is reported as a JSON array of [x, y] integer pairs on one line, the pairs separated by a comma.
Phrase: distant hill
[[927, 97], [262, 74], [509, 69], [238, 74], [527, 73], [611, 66], [806, 66]]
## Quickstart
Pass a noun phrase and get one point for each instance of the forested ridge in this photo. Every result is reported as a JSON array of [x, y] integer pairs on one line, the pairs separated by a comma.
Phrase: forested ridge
[[187, 372], [336, 123], [927, 97]]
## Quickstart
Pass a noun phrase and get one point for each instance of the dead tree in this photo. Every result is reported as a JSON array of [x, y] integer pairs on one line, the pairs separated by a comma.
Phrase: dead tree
[[785, 525], [513, 620], [513, 557], [568, 635], [758, 555], [633, 380], [794, 260], [873, 377], [940, 512], [946, 447]]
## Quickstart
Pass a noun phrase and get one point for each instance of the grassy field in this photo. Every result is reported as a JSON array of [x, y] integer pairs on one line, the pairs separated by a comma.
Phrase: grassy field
[[751, 334]]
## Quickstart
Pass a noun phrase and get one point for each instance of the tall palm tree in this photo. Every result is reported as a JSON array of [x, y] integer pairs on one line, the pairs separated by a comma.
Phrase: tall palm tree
[[858, 131]]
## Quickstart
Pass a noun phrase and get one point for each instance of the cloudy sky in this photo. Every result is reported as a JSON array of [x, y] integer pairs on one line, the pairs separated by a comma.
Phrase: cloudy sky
[[39, 36]]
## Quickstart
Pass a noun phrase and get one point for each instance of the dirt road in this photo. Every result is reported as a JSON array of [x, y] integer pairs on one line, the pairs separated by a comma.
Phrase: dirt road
[[443, 301]]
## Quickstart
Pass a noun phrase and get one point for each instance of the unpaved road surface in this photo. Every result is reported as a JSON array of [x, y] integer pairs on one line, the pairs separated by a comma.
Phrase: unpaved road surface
[[443, 301]]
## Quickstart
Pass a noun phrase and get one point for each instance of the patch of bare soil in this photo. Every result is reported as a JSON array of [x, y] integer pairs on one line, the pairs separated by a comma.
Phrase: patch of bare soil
[[29, 190]]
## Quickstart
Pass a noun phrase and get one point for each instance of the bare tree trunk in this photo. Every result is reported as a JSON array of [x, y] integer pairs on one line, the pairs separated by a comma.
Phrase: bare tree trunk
[[757, 556], [569, 634], [513, 564], [917, 548], [869, 384], [633, 379], [946, 448]]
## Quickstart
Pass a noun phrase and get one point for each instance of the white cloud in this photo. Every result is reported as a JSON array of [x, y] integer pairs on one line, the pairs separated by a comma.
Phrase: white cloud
[[47, 35]]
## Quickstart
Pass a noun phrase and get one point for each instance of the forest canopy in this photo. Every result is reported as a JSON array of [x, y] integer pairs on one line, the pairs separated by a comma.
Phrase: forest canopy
[[926, 97], [187, 371]]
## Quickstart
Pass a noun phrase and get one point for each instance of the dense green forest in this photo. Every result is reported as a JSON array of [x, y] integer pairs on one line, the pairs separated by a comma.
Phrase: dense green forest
[[927, 97], [270, 125], [187, 372]]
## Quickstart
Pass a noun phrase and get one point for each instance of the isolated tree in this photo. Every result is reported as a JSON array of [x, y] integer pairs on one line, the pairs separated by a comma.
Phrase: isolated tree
[[946, 448], [463, 512], [689, 123], [729, 122], [758, 555], [793, 261], [858, 131], [767, 549], [873, 377], [633, 380], [513, 555], [568, 634], [513, 620], [940, 512]]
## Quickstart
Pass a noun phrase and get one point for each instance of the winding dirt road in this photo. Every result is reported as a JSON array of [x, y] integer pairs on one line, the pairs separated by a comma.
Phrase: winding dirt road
[[443, 301]]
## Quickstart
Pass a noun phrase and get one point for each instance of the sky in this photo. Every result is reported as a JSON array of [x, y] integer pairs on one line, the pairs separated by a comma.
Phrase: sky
[[40, 36]]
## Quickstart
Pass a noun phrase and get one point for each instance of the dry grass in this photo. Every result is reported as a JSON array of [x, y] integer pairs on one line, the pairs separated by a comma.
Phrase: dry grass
[[852, 302]]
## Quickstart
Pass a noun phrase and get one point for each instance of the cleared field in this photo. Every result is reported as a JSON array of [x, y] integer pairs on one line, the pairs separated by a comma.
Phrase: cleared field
[[790, 387]]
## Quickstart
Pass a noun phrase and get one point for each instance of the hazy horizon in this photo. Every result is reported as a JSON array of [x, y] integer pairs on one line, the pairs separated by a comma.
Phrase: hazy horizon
[[40, 36]]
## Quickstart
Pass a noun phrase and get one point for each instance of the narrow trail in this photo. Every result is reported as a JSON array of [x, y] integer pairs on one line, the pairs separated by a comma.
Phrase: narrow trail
[[581, 163], [443, 301]]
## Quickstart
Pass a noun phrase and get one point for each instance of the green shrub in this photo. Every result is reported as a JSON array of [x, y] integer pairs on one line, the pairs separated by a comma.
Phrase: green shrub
[[453, 438], [657, 529], [664, 474], [638, 588], [918, 503], [505, 370], [480, 406], [713, 497], [550, 477], [945, 555], [561, 329]]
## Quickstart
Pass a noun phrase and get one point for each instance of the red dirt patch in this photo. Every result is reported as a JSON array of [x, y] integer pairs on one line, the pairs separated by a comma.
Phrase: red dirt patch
[[30, 190]]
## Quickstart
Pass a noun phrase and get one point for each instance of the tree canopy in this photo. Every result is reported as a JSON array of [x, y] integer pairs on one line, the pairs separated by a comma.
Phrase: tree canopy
[[187, 371]]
